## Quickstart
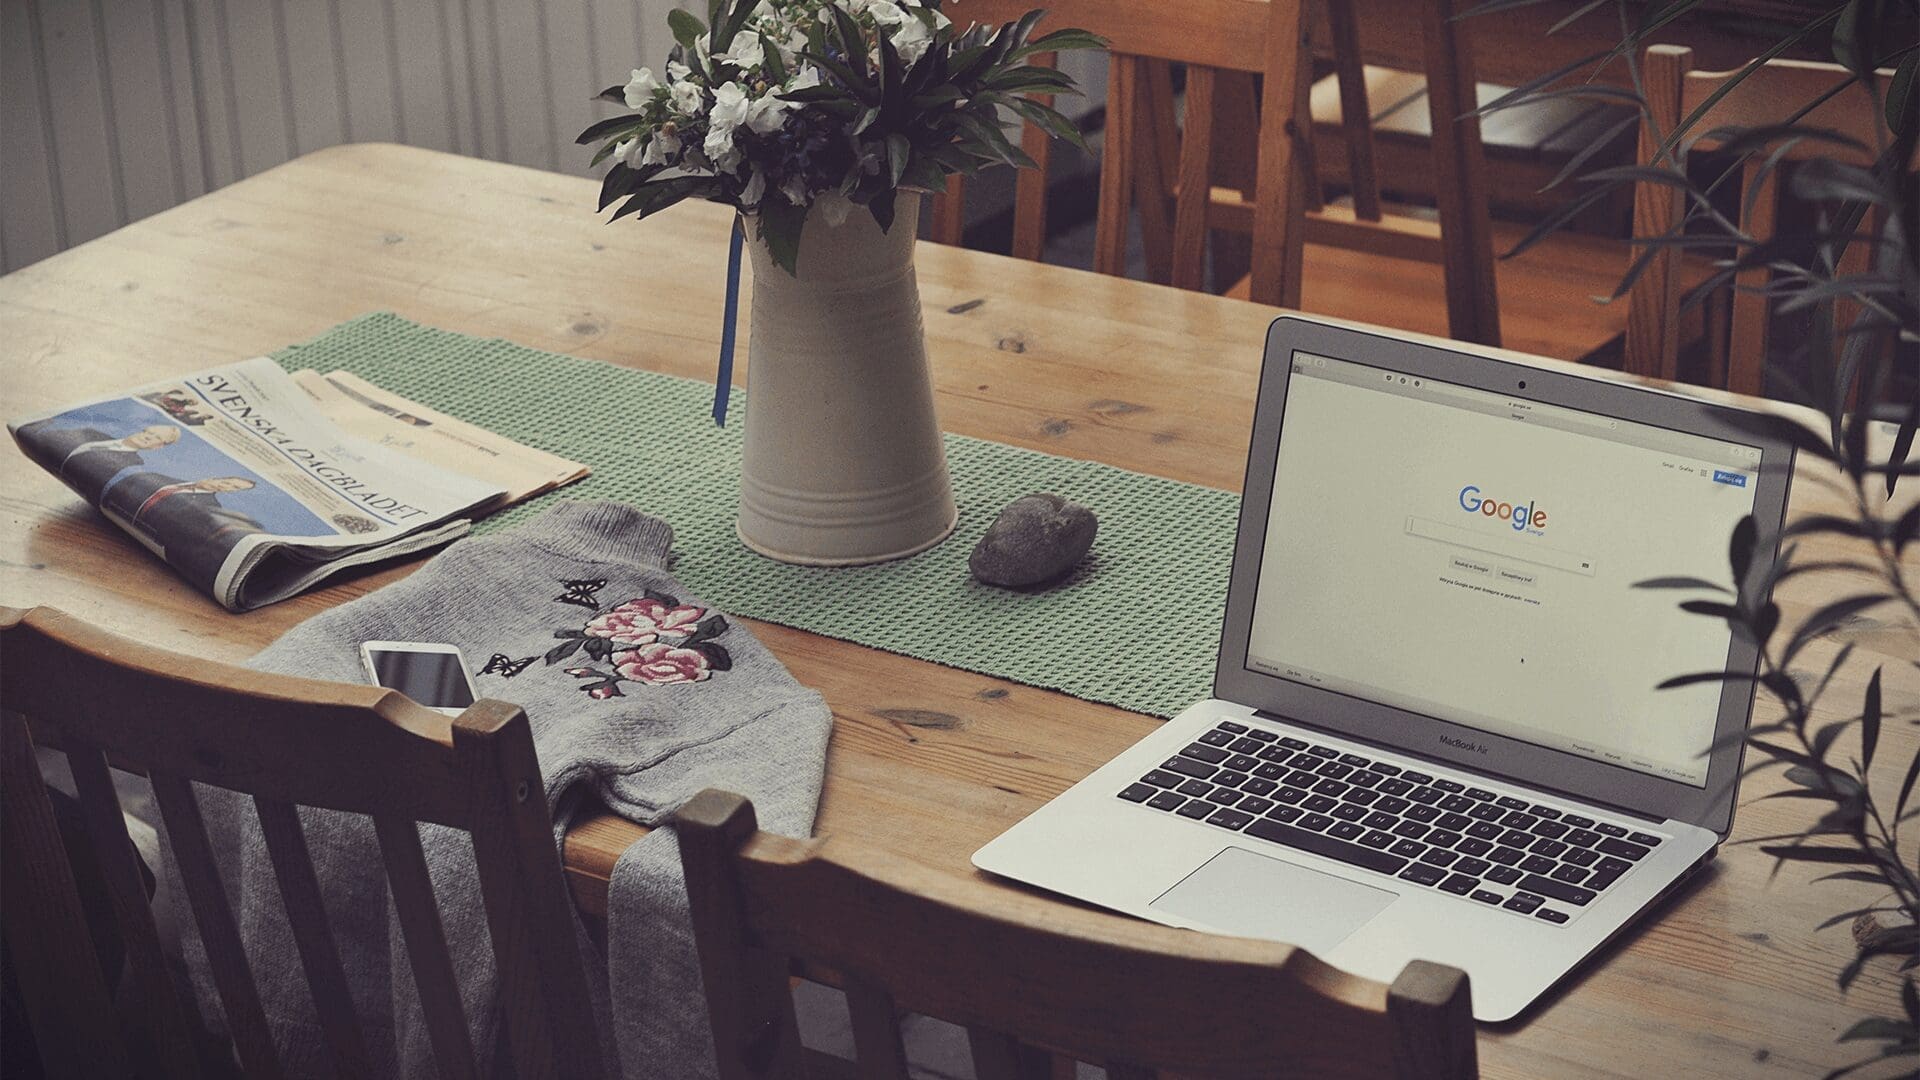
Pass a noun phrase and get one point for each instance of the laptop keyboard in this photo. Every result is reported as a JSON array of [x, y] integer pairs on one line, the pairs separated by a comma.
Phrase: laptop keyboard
[[1531, 858]]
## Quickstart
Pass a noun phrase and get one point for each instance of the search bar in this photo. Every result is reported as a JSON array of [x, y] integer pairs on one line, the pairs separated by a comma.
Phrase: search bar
[[1506, 547]]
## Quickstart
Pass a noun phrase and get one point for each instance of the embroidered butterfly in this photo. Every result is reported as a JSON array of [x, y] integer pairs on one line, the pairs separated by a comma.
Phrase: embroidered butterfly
[[505, 666], [580, 591]]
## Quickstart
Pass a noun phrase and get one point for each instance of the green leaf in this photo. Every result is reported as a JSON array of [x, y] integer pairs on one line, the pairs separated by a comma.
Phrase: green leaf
[[1906, 786], [1870, 723], [776, 68], [898, 151], [780, 225], [616, 93], [1806, 853], [660, 194], [1740, 549], [1680, 583], [686, 28], [1878, 1027], [613, 127]]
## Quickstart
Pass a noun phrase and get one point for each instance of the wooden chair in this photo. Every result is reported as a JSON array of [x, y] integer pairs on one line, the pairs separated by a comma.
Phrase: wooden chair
[[1769, 95], [286, 742], [1187, 182], [1023, 973]]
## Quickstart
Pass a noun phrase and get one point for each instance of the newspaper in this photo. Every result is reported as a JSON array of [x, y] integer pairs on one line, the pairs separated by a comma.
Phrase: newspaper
[[242, 483]]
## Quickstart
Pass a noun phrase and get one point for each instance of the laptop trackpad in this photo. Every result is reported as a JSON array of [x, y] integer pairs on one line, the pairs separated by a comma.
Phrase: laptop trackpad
[[1252, 895]]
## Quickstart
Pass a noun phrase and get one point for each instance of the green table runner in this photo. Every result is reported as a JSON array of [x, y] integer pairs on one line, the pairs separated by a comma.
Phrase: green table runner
[[1135, 626]]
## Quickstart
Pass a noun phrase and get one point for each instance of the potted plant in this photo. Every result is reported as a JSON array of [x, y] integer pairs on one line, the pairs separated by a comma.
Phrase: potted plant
[[1844, 366], [822, 122]]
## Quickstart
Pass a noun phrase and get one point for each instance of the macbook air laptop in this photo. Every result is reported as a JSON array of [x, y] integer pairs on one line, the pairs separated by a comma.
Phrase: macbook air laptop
[[1436, 730]]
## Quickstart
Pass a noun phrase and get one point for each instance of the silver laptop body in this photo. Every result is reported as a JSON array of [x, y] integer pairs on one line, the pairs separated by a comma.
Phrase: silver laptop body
[[1435, 730]]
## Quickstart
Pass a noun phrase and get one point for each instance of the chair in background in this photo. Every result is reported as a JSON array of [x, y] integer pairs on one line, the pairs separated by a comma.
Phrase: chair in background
[[1027, 976], [1185, 183], [286, 742], [1769, 95]]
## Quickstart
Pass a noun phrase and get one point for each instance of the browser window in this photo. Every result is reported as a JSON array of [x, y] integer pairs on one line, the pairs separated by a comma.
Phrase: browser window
[[1471, 556]]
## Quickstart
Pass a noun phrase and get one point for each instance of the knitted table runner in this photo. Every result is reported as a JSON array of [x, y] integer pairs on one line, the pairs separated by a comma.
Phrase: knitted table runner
[[1136, 625]]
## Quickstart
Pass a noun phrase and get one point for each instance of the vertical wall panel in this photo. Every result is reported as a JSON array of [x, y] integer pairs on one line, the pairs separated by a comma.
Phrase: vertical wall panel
[[427, 86], [32, 223], [369, 64], [184, 138], [315, 80], [150, 171], [257, 83], [522, 83], [573, 80], [90, 189]]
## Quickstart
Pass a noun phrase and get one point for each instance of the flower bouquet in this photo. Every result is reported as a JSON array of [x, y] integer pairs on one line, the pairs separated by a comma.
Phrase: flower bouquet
[[795, 112], [781, 105]]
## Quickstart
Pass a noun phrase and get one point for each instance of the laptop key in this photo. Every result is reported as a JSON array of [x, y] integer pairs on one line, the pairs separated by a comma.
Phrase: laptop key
[[1224, 796], [1167, 800], [1277, 755], [1138, 792], [1511, 803], [1397, 785], [1551, 915], [1422, 813], [1454, 822], [1473, 845], [1217, 738], [1315, 843], [1385, 769], [1411, 849], [1301, 778], [1523, 903], [1319, 804], [1645, 839], [1424, 795], [1289, 794], [1581, 856], [1316, 822], [1572, 875], [1189, 767], [1607, 829], [1472, 866], [1198, 808], [1439, 856], [1448, 785], [1162, 778], [1242, 763], [1377, 839], [1233, 726], [1258, 786], [1460, 884], [1487, 897], [1392, 805], [1623, 849], [1504, 855], [1455, 803], [1480, 793], [1535, 864], [1577, 821], [1514, 820], [1378, 820], [1601, 879], [1229, 819], [1230, 777], [1330, 787], [1292, 743], [1412, 830], [1552, 849], [1335, 770], [1244, 745], [1505, 875], [1198, 789], [1365, 778], [1262, 735], [1284, 813], [1557, 890], [1516, 838], [1212, 755], [1363, 796], [1442, 838], [1582, 838], [1552, 830], [1412, 777], [1422, 874], [1306, 761], [1345, 830], [1270, 771], [1323, 751], [1254, 804], [1611, 865], [1485, 830], [1485, 812], [1543, 811], [1350, 812]]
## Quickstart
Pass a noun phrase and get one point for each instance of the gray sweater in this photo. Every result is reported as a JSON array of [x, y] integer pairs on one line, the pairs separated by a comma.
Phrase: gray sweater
[[638, 695]]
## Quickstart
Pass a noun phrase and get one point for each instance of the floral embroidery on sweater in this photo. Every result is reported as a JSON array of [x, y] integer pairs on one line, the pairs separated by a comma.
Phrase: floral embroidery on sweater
[[652, 639]]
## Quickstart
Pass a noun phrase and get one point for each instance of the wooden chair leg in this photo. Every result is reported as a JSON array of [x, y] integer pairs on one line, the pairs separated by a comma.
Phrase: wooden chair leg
[[1196, 177], [1466, 232], [1117, 159], [1653, 306], [1356, 113], [1280, 185], [1030, 186], [949, 223]]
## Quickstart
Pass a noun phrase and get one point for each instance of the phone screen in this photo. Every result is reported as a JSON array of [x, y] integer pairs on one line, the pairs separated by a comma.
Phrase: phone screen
[[433, 679]]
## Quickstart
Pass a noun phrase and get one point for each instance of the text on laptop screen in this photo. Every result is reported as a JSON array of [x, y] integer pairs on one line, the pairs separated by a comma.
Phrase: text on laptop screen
[[1471, 556]]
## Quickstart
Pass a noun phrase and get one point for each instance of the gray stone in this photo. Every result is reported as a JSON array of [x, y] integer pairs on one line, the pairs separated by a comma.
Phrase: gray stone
[[1036, 539]]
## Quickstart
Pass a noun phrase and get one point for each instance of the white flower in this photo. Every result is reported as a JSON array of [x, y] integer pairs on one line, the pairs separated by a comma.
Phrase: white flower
[[808, 76], [755, 189], [659, 148], [677, 71], [766, 114], [911, 39], [795, 189], [834, 207], [729, 106], [745, 53], [886, 12], [624, 151], [687, 98], [640, 88]]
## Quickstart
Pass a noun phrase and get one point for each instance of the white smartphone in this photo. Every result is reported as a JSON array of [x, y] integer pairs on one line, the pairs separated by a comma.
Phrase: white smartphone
[[432, 675]]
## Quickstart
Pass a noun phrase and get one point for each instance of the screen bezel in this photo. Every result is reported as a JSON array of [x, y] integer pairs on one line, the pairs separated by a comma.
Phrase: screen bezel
[[1711, 806]]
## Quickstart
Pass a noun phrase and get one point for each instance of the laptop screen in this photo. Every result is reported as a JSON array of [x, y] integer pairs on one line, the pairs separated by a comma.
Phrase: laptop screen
[[1470, 556]]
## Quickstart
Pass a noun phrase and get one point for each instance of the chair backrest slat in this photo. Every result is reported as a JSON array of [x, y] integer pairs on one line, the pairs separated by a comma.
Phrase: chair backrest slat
[[1030, 186], [426, 942], [286, 843], [287, 743], [1021, 972], [213, 915], [167, 1038], [47, 939]]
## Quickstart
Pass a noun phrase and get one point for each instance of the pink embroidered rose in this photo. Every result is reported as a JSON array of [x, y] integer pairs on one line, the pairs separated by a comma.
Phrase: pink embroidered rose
[[660, 664], [643, 621]]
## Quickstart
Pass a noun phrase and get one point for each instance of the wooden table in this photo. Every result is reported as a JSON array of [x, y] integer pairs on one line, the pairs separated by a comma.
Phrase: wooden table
[[926, 762]]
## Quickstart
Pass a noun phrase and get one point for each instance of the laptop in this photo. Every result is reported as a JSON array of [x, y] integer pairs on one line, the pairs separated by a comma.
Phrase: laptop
[[1436, 731]]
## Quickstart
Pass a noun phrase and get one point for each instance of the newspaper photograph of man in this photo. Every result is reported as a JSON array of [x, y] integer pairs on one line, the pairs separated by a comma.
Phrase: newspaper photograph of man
[[87, 455]]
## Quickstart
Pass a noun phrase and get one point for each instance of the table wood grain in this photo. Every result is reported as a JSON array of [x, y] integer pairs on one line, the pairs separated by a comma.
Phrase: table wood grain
[[927, 762]]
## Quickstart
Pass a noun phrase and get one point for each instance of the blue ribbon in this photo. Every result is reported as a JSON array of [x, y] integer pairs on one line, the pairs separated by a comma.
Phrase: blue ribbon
[[723, 380]]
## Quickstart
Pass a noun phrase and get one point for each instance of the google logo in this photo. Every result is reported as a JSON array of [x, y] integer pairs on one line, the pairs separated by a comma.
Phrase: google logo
[[1521, 516]]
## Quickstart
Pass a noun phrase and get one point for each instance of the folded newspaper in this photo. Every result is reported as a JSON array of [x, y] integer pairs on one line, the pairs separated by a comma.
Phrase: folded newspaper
[[255, 484]]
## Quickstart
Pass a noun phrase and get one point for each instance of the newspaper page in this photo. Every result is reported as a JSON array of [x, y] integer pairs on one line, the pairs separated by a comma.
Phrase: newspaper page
[[240, 483]]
